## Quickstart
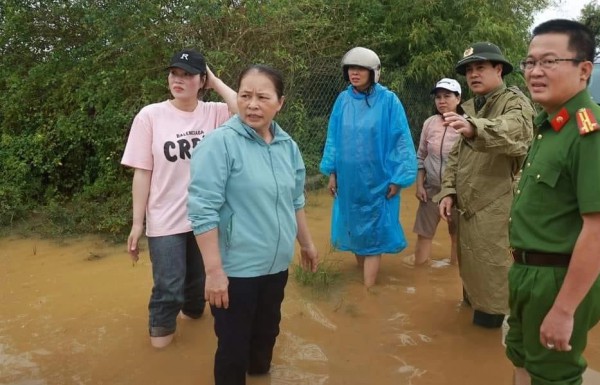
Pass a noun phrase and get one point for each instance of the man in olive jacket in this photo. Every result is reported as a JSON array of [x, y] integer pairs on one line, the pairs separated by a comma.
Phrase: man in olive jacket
[[496, 131]]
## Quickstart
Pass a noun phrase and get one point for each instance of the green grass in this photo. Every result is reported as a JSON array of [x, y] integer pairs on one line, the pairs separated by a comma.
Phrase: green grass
[[327, 274]]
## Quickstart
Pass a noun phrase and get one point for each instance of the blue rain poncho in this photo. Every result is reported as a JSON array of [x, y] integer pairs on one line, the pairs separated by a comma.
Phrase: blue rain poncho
[[368, 147]]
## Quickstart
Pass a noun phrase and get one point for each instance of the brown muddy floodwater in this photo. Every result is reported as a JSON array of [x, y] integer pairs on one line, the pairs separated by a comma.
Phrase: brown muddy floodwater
[[75, 312]]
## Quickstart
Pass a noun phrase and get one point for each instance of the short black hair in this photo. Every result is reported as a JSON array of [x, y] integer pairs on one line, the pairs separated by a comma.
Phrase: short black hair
[[581, 39], [270, 72]]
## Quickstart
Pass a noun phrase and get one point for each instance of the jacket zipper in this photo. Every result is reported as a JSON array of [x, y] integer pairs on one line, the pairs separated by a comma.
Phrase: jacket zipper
[[276, 210], [441, 153]]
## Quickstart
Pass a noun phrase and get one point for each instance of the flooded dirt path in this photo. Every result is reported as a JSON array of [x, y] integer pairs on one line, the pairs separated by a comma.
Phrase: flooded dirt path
[[75, 312]]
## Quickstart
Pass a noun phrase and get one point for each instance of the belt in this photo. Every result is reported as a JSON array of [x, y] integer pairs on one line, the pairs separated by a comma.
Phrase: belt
[[535, 258]]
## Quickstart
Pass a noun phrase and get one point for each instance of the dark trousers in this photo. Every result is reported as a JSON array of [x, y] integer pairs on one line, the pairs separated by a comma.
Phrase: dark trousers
[[247, 330]]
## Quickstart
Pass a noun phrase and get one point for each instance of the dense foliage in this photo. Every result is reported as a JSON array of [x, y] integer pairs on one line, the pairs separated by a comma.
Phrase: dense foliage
[[590, 16], [73, 74]]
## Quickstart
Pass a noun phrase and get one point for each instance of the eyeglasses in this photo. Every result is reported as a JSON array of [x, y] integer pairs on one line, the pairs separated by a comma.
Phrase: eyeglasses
[[547, 63]]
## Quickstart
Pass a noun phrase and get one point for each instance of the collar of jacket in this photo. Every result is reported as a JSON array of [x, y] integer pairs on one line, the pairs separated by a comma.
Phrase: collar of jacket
[[236, 124], [469, 105], [582, 99]]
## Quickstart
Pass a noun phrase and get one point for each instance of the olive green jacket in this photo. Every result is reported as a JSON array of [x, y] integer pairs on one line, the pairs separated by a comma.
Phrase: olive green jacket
[[483, 168]]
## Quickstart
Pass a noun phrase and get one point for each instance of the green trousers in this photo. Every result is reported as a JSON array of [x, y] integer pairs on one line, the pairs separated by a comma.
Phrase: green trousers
[[532, 291]]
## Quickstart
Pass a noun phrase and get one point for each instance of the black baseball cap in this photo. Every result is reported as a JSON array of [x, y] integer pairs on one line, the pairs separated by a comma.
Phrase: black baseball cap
[[190, 61]]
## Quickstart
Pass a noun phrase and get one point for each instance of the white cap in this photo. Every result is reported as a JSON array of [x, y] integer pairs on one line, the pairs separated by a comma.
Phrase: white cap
[[447, 84]]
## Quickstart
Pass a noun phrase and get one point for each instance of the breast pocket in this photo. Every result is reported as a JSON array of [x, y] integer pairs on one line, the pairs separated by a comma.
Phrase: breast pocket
[[543, 180], [547, 178]]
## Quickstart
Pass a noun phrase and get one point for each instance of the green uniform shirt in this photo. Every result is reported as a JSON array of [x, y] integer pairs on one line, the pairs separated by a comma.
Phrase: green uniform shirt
[[560, 182]]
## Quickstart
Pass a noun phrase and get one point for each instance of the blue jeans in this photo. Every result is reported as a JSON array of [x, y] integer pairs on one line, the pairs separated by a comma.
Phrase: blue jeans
[[178, 273]]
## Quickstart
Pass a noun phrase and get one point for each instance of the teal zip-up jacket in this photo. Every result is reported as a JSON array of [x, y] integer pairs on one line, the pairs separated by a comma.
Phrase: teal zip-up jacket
[[250, 190]]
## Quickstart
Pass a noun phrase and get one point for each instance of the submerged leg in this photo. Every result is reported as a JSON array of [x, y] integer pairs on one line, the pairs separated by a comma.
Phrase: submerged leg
[[360, 261], [161, 342], [422, 250], [454, 249], [371, 269]]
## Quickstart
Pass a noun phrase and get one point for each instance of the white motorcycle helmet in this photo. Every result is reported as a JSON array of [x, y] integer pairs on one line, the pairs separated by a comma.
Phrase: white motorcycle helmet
[[363, 57]]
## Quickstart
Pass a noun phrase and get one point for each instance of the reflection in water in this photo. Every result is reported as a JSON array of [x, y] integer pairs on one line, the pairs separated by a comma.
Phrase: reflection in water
[[294, 348], [399, 317], [405, 339], [282, 375], [13, 364], [409, 371], [294, 352], [316, 315], [69, 318]]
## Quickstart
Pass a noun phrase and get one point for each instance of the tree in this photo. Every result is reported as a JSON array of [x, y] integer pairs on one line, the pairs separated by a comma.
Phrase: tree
[[73, 73], [590, 16]]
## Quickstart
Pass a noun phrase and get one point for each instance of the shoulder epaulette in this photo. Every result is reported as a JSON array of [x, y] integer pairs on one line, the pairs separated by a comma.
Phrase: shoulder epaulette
[[517, 91], [586, 121]]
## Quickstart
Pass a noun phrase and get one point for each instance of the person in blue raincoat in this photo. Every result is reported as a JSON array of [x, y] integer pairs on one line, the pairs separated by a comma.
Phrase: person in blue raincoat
[[369, 156]]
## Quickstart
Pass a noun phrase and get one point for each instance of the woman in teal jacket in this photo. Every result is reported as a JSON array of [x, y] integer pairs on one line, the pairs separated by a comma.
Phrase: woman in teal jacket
[[246, 206], [369, 155]]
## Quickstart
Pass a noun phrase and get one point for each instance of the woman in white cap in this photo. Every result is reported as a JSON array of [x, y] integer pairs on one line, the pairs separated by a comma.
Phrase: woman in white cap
[[434, 146], [369, 155], [159, 148]]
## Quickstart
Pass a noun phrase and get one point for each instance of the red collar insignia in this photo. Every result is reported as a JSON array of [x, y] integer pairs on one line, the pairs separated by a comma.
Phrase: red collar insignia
[[560, 119], [586, 121]]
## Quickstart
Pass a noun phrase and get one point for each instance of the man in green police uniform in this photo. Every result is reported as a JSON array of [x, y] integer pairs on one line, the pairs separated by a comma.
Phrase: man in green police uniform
[[479, 177], [555, 217]]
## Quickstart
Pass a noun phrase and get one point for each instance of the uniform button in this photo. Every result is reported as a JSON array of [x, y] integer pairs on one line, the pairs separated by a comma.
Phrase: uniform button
[[539, 136], [510, 219], [528, 164], [538, 176], [518, 191]]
